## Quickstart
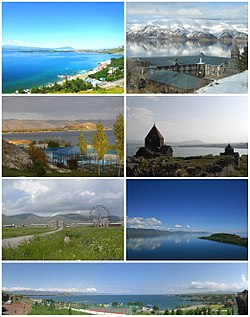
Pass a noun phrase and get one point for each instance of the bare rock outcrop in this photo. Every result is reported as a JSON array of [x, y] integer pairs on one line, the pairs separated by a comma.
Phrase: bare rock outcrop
[[16, 158]]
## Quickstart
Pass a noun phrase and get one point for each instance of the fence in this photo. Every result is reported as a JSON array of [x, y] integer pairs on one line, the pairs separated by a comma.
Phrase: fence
[[62, 157]]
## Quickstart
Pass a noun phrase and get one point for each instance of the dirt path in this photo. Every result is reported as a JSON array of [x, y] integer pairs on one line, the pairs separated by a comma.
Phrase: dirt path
[[14, 242], [17, 308]]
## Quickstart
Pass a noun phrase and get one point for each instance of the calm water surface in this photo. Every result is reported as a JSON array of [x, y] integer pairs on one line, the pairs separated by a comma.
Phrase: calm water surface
[[26, 70], [69, 136], [162, 301], [187, 151], [182, 247]]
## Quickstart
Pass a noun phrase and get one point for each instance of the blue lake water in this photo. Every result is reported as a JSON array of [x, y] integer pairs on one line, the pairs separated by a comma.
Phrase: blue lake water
[[162, 301], [26, 70], [132, 148], [69, 136], [182, 247]]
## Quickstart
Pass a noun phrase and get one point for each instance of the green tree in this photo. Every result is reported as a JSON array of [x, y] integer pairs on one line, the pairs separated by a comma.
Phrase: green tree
[[172, 312], [155, 310], [179, 311], [166, 312], [243, 60], [82, 143], [119, 139], [100, 143]]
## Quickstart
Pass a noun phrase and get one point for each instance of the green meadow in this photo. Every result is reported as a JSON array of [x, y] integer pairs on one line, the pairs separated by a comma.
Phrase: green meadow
[[20, 232], [88, 243], [44, 310]]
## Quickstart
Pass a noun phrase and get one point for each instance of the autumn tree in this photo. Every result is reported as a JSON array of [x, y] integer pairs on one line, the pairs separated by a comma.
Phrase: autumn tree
[[39, 159], [100, 143], [119, 139], [82, 143]]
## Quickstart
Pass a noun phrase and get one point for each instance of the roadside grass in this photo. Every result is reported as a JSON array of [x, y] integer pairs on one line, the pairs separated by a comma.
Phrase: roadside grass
[[46, 310], [89, 243], [20, 232]]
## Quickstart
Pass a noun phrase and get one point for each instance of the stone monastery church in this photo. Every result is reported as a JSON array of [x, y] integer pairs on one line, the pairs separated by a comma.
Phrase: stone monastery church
[[154, 145], [179, 74]]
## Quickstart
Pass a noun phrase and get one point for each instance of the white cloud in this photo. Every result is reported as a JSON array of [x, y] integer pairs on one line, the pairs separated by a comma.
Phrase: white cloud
[[16, 42], [243, 278], [87, 193], [188, 226], [177, 226], [50, 197], [219, 286], [31, 187], [195, 12], [52, 289], [144, 223]]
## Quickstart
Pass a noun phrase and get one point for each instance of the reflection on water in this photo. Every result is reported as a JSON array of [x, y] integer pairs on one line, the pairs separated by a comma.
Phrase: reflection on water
[[153, 243], [182, 48], [181, 246]]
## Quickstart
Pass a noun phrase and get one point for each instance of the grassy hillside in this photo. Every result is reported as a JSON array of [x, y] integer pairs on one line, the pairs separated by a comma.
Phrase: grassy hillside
[[89, 243]]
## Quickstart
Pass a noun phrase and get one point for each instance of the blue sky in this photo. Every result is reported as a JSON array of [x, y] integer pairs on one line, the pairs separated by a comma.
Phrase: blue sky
[[209, 119], [230, 12], [86, 25], [210, 205], [129, 278]]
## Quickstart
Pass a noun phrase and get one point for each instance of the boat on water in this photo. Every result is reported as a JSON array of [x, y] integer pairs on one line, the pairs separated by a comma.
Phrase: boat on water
[[62, 76]]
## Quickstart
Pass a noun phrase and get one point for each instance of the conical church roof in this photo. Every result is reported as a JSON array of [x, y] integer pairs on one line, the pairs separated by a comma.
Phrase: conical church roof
[[154, 131]]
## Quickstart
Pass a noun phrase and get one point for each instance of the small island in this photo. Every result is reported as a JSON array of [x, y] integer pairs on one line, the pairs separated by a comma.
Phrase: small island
[[227, 238]]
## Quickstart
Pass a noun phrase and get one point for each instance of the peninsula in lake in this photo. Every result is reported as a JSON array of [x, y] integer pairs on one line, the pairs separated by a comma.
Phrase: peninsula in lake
[[182, 137], [186, 220], [90, 288], [84, 55], [60, 136]]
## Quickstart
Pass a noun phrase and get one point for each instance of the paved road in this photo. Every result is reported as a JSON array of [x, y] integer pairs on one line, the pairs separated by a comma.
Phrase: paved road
[[14, 242]]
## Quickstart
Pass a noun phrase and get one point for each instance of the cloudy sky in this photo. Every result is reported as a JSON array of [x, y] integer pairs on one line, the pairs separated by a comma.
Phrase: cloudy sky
[[229, 12], [62, 108], [209, 119], [124, 278], [179, 205], [50, 197]]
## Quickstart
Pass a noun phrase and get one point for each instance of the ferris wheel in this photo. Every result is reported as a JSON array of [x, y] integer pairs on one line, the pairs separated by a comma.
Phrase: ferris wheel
[[99, 215]]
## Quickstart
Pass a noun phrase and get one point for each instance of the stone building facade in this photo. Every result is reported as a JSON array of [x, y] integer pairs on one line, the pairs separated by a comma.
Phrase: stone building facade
[[183, 74]]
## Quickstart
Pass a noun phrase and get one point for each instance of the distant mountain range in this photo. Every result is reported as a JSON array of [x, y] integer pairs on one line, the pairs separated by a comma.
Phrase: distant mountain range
[[27, 219], [41, 125], [117, 50], [187, 29], [16, 47], [44, 293], [199, 143], [134, 232]]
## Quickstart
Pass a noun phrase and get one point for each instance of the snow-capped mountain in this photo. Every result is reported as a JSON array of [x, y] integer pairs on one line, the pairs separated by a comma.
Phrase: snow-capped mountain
[[187, 29]]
